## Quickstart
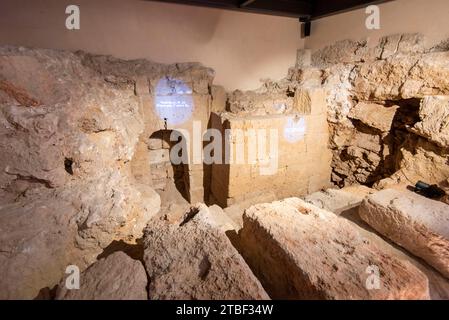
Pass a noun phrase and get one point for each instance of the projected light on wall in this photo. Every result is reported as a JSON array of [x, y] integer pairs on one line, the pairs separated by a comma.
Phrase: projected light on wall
[[295, 129], [173, 101]]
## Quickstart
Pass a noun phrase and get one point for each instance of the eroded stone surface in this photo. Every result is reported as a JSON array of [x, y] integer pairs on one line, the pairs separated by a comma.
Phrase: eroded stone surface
[[300, 251], [339, 200], [374, 115], [70, 124], [416, 223], [434, 124], [36, 244], [195, 260], [116, 277]]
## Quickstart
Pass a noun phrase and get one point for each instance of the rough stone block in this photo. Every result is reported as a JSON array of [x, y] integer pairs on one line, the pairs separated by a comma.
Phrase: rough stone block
[[434, 124], [416, 223], [116, 277], [196, 260], [218, 99], [339, 200], [374, 115], [299, 251]]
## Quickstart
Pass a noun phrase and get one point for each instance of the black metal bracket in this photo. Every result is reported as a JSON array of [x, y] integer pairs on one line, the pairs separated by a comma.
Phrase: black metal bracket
[[306, 27]]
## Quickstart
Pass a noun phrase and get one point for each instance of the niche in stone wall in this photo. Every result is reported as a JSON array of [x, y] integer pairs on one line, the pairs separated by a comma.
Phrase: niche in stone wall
[[151, 165], [373, 150], [168, 176]]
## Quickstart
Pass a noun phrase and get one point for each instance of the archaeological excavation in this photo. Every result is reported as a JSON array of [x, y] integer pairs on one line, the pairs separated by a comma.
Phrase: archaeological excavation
[[284, 164]]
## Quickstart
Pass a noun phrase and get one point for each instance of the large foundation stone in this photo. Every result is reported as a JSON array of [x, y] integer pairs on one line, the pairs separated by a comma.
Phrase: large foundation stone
[[418, 224], [299, 251], [195, 260]]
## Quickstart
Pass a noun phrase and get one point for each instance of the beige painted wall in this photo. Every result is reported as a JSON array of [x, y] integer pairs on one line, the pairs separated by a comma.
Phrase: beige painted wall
[[429, 17], [241, 47]]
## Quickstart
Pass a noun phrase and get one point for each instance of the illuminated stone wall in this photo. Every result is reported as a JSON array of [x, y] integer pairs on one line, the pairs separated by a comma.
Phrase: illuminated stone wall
[[175, 101], [303, 162]]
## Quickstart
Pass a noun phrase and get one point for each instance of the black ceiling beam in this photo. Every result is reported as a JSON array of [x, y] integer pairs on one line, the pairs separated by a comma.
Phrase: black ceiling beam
[[305, 10], [221, 4], [246, 3], [324, 8], [287, 8]]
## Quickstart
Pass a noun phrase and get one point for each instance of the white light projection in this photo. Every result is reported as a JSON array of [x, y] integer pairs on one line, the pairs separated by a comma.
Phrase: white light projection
[[295, 129], [173, 100]]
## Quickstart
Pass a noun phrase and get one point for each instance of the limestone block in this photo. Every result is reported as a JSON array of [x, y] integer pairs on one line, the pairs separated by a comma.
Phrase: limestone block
[[216, 217], [116, 277], [345, 51], [322, 254], [218, 99], [420, 160], [367, 141], [310, 101], [302, 102], [416, 223], [317, 142], [434, 124], [339, 200], [403, 43], [374, 115], [403, 75], [196, 260]]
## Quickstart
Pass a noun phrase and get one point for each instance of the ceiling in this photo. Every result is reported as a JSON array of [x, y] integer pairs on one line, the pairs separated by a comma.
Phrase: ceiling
[[303, 9]]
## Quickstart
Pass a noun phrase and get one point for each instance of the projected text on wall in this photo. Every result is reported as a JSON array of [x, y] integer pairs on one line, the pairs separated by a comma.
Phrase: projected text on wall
[[173, 101]]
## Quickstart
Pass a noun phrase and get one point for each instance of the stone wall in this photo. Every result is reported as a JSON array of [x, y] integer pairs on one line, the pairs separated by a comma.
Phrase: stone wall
[[80, 154], [381, 99], [297, 165], [75, 157]]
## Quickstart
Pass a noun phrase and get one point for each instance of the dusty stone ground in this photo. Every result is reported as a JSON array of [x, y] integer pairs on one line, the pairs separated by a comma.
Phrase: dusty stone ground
[[76, 138]]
